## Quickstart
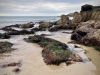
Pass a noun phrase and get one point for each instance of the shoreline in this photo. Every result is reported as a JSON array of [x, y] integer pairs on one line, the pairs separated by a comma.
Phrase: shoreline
[[94, 55], [55, 38], [38, 64]]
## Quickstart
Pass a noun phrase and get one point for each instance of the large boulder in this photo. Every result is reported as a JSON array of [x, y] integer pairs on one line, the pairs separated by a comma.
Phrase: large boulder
[[77, 18], [45, 25], [92, 38], [88, 33], [86, 15], [63, 21], [86, 7], [28, 25]]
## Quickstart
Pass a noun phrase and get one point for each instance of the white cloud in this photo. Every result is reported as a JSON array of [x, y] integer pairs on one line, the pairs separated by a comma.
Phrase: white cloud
[[41, 8]]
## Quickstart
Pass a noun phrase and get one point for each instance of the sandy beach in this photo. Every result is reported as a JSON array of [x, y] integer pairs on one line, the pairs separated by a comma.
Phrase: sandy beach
[[32, 62]]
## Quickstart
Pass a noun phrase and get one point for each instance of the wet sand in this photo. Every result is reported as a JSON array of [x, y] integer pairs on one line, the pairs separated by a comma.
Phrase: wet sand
[[94, 56], [32, 61]]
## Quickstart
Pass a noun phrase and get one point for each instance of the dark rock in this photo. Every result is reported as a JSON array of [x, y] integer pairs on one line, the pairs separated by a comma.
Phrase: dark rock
[[5, 36], [67, 32], [76, 36], [38, 29], [16, 70], [86, 7], [52, 29]]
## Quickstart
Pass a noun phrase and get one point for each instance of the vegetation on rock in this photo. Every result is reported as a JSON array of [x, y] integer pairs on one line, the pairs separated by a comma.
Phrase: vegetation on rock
[[54, 52], [6, 47]]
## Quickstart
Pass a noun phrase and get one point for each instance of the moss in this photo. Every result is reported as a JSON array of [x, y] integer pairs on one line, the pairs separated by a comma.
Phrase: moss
[[54, 52], [63, 54], [5, 47]]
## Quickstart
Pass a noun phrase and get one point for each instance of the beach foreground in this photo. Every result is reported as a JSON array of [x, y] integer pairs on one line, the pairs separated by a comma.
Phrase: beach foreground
[[32, 62], [60, 47]]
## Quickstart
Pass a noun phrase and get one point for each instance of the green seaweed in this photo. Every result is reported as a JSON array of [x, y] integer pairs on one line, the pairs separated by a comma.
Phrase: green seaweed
[[5, 47]]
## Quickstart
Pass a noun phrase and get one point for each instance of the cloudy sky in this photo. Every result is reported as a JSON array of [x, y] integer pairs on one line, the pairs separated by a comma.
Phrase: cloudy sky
[[41, 7]]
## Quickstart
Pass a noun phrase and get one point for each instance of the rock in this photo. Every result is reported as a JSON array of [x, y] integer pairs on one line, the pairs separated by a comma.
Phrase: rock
[[45, 25], [38, 29], [87, 33], [63, 21], [52, 29], [28, 25], [16, 70], [86, 7], [6, 28], [54, 52], [64, 27], [77, 18], [86, 27], [5, 36], [73, 58], [67, 32], [86, 15], [92, 38], [76, 36]]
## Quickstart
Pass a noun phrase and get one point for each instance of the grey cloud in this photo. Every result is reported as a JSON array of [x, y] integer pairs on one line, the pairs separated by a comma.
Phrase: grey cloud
[[49, 7]]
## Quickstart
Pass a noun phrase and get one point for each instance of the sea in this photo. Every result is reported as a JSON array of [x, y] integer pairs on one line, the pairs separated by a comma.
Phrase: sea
[[11, 20]]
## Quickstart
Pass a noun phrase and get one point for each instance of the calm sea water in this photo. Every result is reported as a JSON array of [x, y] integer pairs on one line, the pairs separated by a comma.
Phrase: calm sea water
[[10, 20]]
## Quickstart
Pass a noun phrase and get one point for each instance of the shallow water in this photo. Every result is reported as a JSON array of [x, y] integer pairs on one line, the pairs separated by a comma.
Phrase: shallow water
[[32, 61]]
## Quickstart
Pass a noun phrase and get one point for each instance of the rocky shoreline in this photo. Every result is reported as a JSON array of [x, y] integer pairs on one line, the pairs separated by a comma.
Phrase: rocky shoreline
[[86, 31]]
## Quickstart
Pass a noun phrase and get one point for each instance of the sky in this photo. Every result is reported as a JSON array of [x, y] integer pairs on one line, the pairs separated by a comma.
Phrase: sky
[[42, 7]]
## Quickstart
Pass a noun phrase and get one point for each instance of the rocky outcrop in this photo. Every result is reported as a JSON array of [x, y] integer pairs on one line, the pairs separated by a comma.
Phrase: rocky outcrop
[[4, 36], [88, 33], [45, 25], [64, 27], [76, 19], [63, 21], [86, 7], [92, 38], [88, 12], [28, 25]]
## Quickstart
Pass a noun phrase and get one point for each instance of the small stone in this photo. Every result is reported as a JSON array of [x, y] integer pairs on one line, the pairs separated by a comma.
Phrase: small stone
[[16, 70]]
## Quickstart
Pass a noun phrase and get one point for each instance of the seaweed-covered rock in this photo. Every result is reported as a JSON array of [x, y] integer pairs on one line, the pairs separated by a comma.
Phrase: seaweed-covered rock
[[5, 47], [54, 52]]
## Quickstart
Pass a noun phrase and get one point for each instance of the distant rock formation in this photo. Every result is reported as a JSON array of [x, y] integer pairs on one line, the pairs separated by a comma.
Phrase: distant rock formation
[[88, 12]]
